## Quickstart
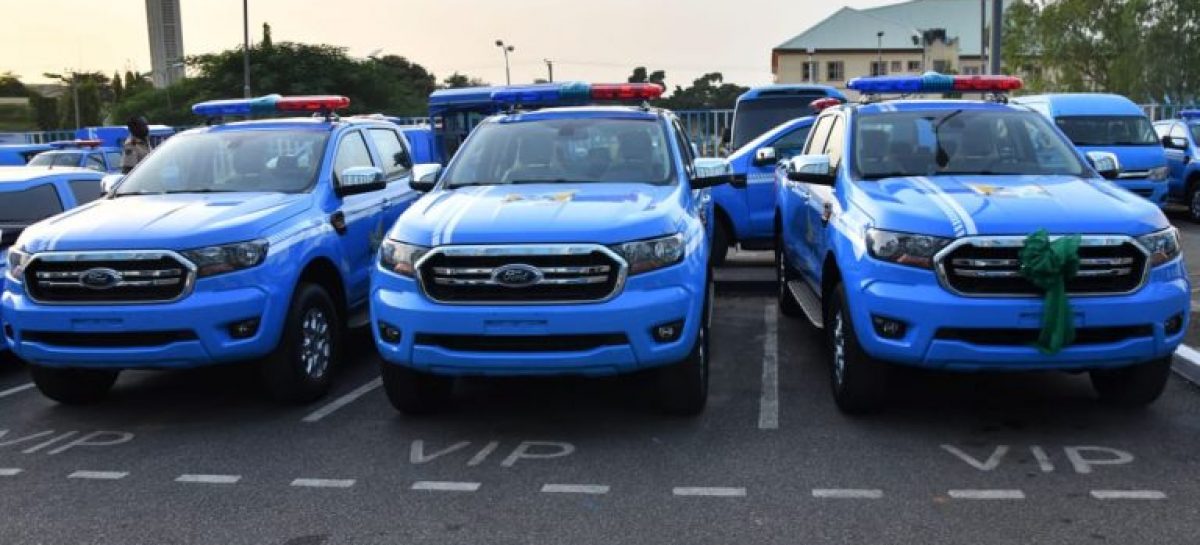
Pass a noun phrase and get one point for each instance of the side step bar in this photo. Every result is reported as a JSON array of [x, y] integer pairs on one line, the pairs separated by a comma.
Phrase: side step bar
[[809, 302]]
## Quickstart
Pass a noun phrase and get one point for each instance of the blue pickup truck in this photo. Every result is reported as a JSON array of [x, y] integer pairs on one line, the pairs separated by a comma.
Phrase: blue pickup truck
[[236, 241], [905, 230], [1112, 123], [769, 124], [31, 194], [89, 154], [563, 238], [1181, 142]]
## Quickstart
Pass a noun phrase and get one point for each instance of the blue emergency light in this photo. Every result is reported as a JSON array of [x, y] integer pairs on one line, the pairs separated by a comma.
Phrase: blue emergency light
[[269, 104], [571, 93], [933, 82], [1189, 114]]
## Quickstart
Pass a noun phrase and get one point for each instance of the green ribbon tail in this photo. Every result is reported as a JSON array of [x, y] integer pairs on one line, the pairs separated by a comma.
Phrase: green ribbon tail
[[1048, 265]]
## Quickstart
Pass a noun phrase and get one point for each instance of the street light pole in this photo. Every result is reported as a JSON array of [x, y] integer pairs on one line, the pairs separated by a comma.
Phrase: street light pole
[[812, 69], [879, 50], [506, 49], [74, 84], [550, 69], [246, 48]]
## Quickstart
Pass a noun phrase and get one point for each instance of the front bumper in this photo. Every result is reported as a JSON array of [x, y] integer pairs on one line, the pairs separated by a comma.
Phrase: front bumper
[[191, 332], [915, 298], [1153, 191], [647, 300]]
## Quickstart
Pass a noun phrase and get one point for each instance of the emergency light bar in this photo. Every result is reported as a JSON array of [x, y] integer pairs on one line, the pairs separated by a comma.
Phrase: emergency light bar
[[932, 82], [1189, 114], [821, 104], [63, 144], [574, 93], [270, 104]]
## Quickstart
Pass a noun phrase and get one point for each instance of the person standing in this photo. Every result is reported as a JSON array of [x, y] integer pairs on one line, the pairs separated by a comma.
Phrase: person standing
[[137, 146]]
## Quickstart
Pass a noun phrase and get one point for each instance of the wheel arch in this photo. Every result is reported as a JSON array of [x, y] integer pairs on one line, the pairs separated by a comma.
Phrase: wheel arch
[[321, 271]]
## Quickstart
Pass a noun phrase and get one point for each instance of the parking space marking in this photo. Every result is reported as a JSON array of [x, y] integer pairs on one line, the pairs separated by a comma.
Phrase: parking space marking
[[446, 486], [768, 403], [718, 491], [1129, 495], [848, 493], [987, 494], [16, 389], [99, 475], [208, 479], [324, 483], [340, 402], [9, 471], [575, 488]]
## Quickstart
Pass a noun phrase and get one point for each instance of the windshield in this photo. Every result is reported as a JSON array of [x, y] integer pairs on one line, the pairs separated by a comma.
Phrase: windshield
[[564, 151], [1195, 130], [283, 161], [30, 205], [1108, 130], [754, 117], [960, 142], [56, 159]]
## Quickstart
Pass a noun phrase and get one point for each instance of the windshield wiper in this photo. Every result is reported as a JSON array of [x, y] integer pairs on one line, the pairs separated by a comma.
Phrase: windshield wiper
[[137, 193], [469, 184], [882, 175], [943, 158], [206, 190]]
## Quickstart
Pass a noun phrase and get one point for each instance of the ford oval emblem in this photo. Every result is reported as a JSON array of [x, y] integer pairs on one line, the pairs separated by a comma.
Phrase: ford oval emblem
[[517, 275], [100, 279]]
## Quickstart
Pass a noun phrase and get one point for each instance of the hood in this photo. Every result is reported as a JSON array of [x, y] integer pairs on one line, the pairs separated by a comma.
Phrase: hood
[[953, 206], [1134, 158], [534, 213], [172, 222]]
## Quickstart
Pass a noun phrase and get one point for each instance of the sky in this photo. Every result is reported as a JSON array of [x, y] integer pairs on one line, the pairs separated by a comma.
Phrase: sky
[[595, 41]]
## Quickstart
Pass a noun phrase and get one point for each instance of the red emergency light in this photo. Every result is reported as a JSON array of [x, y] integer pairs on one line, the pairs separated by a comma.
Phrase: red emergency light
[[987, 83], [90, 143], [626, 91], [819, 105], [315, 103]]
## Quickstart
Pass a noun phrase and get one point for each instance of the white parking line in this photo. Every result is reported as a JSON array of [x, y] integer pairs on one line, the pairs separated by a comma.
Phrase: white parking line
[[1128, 495], [324, 483], [1187, 363], [9, 471], [445, 486], [340, 402], [848, 493], [208, 479], [575, 488], [987, 494], [100, 475], [719, 491], [16, 389], [768, 403]]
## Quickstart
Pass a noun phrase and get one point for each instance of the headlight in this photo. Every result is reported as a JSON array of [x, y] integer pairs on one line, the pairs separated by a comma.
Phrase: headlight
[[1163, 245], [215, 260], [400, 258], [1158, 174], [648, 255], [17, 261], [904, 248]]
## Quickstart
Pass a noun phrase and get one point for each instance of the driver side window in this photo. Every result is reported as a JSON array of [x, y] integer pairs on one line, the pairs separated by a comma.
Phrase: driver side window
[[352, 152], [792, 143]]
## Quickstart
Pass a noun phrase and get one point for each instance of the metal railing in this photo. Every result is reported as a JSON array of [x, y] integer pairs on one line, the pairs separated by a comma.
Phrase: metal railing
[[705, 128]]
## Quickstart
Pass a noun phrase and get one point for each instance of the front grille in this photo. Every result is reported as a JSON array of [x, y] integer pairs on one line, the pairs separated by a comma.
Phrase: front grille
[[552, 274], [518, 343], [1025, 336], [113, 339], [990, 267], [107, 277]]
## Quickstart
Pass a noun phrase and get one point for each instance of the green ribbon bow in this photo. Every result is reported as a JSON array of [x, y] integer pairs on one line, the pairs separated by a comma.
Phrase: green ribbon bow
[[1048, 265]]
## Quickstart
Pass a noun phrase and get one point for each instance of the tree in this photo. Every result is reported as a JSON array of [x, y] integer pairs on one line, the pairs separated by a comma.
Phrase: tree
[[456, 81], [707, 92], [640, 75], [117, 87], [266, 39]]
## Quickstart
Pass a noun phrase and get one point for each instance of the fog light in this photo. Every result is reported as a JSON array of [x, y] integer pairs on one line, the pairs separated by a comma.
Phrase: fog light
[[1173, 325], [668, 332], [244, 329], [888, 328], [389, 333]]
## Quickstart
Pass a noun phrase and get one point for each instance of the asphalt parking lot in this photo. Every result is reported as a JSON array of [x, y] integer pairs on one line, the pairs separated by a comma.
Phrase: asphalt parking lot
[[201, 457]]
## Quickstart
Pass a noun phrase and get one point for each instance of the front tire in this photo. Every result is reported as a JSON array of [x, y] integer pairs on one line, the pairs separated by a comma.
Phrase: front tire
[[414, 392], [784, 274], [300, 369], [683, 386], [1193, 201], [720, 243], [1133, 386], [73, 386], [859, 382]]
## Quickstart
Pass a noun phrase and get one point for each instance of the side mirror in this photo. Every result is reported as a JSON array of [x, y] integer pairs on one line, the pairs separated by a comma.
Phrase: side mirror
[[356, 180], [110, 182], [404, 159], [765, 156], [811, 169], [712, 172], [425, 176], [1105, 163], [1175, 142]]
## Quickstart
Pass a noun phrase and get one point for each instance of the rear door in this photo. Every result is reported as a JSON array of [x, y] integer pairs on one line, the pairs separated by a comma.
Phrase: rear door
[[1177, 159]]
